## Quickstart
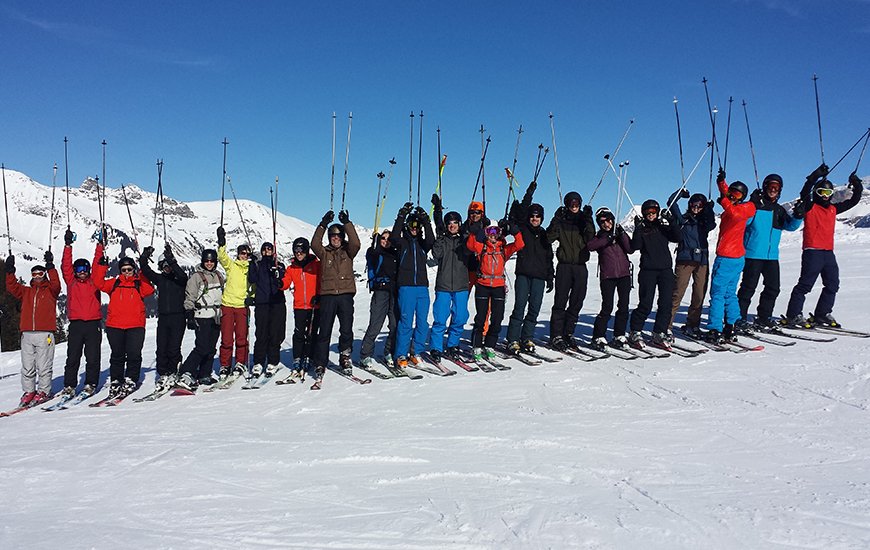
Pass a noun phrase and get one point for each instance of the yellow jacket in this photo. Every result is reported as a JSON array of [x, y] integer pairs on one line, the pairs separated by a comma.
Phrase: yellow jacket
[[237, 287]]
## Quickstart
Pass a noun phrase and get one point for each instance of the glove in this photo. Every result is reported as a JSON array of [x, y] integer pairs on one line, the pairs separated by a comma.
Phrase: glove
[[68, 237], [146, 254], [10, 264], [720, 177], [638, 221], [405, 210], [327, 218], [549, 285], [684, 193], [854, 180], [755, 196], [531, 188], [422, 214], [191, 321], [560, 213], [276, 273], [587, 211], [667, 216], [819, 172], [798, 211], [436, 202], [221, 236], [343, 216], [167, 254], [249, 301], [618, 231], [505, 226], [49, 259], [104, 260]]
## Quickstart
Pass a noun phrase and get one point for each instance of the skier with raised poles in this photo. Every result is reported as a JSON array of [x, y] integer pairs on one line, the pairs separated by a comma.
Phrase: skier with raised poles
[[572, 228], [270, 310], [382, 268], [761, 241], [412, 239], [302, 277], [693, 256], [820, 218], [653, 231], [451, 282], [492, 253], [83, 309], [534, 272], [337, 289], [37, 325], [170, 281], [613, 246], [202, 309], [237, 296], [724, 310], [125, 323]]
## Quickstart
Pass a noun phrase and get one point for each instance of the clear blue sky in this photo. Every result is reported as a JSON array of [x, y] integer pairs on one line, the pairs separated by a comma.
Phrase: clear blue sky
[[172, 79]]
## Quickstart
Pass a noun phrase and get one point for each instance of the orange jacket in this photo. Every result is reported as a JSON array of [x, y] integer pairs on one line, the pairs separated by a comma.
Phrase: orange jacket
[[38, 301], [305, 281], [493, 258], [126, 297]]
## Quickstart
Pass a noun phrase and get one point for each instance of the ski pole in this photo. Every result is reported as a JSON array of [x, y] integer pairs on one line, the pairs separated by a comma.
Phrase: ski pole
[[480, 170], [511, 180], [540, 165], [680, 142], [615, 151], [51, 218], [6, 207], [380, 177], [615, 173], [272, 213], [556, 157], [751, 147], [380, 210], [224, 179], [727, 132], [864, 148], [105, 214], [441, 163], [275, 222], [692, 173], [66, 174], [411, 161], [850, 150], [346, 158], [130, 215], [712, 120], [332, 177], [819, 116], [419, 158], [239, 210], [157, 201]]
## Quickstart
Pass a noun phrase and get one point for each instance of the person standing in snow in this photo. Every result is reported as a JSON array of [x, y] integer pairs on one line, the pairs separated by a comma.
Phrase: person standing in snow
[[38, 325], [83, 310], [693, 257], [382, 266], [412, 239], [337, 289], [533, 275], [170, 281], [234, 306], [270, 310], [761, 241], [202, 310], [613, 246], [303, 278], [820, 219], [125, 322], [724, 309]]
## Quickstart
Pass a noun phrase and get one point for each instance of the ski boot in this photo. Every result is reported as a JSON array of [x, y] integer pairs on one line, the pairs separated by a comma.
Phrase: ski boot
[[796, 321], [477, 354], [68, 392], [27, 399], [558, 343], [619, 342], [489, 353], [272, 369], [345, 364], [453, 352], [693, 332], [186, 382], [115, 389], [207, 381], [599, 344], [129, 387], [40, 398], [367, 363], [435, 355], [765, 325], [742, 326], [388, 359], [241, 369], [635, 340], [714, 337], [669, 334], [661, 340], [319, 371], [826, 320], [89, 389], [256, 371], [570, 343], [414, 359], [529, 346], [402, 362], [513, 348]]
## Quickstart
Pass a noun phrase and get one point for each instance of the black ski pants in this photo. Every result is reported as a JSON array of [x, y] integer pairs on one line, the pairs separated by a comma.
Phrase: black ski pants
[[571, 280], [487, 299], [304, 332], [126, 344], [648, 282], [622, 287], [334, 307], [200, 361], [271, 324], [170, 333], [383, 308], [753, 270], [84, 336]]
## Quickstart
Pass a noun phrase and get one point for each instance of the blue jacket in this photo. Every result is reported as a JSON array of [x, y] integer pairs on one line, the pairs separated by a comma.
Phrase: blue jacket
[[693, 246], [267, 278], [763, 231]]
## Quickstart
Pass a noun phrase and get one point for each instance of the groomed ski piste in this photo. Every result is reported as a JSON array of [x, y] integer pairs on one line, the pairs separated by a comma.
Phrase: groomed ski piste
[[723, 450]]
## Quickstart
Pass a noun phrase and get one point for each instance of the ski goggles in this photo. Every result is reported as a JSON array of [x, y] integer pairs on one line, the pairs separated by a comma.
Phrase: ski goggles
[[735, 195], [649, 211], [37, 274], [413, 224], [574, 204], [697, 205], [82, 269], [775, 187], [492, 230], [824, 193]]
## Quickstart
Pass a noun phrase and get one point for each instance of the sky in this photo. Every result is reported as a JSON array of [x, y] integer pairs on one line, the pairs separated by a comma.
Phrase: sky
[[171, 80]]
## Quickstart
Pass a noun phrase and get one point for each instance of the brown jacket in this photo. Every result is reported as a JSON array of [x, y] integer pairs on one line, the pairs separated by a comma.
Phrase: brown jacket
[[336, 264]]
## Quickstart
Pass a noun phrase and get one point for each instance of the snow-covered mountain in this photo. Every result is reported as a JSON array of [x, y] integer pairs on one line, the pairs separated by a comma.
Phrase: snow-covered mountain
[[190, 227]]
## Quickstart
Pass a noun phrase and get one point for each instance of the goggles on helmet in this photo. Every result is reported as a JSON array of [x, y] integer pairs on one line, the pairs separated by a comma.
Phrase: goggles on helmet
[[82, 269]]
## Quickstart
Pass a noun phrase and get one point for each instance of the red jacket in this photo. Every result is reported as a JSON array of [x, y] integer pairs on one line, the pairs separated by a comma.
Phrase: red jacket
[[82, 296], [493, 258], [38, 301], [819, 225], [126, 305], [305, 282], [732, 225]]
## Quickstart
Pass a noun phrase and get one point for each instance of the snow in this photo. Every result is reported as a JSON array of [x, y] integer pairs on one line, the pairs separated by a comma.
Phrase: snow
[[761, 450]]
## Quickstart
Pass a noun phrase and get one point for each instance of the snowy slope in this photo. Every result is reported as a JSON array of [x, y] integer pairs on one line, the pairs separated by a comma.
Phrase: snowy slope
[[762, 450]]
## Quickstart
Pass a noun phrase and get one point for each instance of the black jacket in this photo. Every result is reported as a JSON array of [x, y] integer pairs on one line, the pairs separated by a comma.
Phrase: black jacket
[[572, 231], [651, 239], [170, 288], [266, 275], [382, 266], [411, 253]]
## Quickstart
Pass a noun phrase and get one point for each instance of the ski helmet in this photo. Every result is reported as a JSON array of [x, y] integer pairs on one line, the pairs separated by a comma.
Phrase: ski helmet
[[127, 261], [825, 195], [336, 229], [697, 198], [412, 221], [301, 244], [452, 216], [266, 245], [162, 263], [81, 266], [493, 228], [475, 206], [40, 268], [536, 208], [738, 191], [243, 248], [650, 205], [603, 214], [209, 255], [771, 179], [573, 196]]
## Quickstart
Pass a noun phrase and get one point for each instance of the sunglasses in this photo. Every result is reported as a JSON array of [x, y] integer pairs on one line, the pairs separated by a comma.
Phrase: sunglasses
[[826, 193], [208, 261], [574, 204], [127, 270], [244, 253], [535, 216], [649, 211], [475, 213], [774, 187], [82, 269]]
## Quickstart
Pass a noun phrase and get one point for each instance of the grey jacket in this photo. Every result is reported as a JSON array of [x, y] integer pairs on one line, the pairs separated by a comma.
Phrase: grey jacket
[[452, 256], [203, 294]]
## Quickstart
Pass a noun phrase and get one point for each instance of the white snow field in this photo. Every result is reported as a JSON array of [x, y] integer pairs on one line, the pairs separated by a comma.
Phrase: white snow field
[[762, 450]]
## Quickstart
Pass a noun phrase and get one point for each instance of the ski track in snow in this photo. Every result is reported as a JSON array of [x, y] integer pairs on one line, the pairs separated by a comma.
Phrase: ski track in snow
[[757, 450]]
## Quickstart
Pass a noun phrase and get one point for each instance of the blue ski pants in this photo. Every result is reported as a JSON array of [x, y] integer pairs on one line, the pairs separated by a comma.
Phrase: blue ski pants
[[724, 306], [413, 303], [452, 305]]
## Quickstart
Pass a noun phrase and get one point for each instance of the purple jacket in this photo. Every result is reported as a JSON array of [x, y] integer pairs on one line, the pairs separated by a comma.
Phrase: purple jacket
[[612, 256]]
